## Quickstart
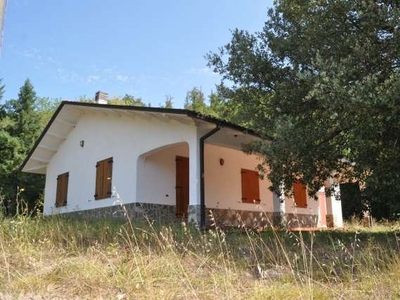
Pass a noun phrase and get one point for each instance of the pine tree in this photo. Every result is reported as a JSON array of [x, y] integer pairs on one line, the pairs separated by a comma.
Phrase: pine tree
[[26, 117], [19, 128]]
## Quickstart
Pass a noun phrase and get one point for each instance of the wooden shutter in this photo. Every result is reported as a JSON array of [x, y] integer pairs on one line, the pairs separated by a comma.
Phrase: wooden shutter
[[108, 177], [300, 194], [250, 186], [99, 181], [62, 189], [103, 179]]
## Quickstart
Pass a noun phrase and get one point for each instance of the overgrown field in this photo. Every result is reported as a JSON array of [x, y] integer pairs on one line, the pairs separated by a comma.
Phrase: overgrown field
[[60, 258]]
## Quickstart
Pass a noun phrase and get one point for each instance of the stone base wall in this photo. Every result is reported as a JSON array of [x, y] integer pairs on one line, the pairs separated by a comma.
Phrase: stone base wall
[[156, 212], [300, 220], [239, 218], [256, 219], [194, 214], [214, 217], [329, 221]]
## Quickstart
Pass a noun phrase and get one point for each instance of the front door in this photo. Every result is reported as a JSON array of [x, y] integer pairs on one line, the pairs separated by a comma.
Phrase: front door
[[182, 186]]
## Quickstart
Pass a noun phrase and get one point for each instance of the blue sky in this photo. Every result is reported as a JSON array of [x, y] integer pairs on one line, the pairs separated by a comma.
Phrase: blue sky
[[148, 48]]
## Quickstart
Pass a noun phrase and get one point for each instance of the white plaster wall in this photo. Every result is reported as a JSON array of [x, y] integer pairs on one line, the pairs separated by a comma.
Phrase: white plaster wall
[[126, 139], [311, 209], [108, 135], [157, 175], [223, 183]]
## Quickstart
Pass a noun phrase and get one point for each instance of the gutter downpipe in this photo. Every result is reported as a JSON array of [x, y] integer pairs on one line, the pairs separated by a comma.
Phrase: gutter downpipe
[[202, 185]]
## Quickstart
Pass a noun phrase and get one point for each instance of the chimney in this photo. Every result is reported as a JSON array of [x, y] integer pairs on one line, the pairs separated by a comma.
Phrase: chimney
[[100, 97]]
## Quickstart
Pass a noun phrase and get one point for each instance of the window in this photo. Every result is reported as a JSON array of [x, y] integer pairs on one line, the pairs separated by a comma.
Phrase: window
[[250, 186], [62, 189], [300, 194], [103, 178]]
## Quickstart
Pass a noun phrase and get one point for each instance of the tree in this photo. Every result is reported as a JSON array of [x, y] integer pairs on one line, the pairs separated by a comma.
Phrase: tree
[[168, 102], [1, 89], [85, 99], [127, 100], [195, 100], [322, 80], [216, 106], [20, 126], [24, 113], [45, 108]]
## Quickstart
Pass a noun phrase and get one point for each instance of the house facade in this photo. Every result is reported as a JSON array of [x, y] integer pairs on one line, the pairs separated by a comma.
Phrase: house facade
[[162, 164]]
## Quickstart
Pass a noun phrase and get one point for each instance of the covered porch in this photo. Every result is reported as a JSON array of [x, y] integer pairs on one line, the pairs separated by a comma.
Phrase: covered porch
[[202, 182]]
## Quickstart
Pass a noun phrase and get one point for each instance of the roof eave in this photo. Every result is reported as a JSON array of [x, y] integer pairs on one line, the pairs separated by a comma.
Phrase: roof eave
[[190, 113]]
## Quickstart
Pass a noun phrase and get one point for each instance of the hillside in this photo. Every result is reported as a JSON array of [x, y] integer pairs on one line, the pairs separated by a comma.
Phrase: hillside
[[60, 258]]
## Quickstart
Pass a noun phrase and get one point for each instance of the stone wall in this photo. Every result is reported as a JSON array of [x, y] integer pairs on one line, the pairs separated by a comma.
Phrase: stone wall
[[239, 218], [194, 213], [300, 220], [256, 219], [156, 212], [214, 217]]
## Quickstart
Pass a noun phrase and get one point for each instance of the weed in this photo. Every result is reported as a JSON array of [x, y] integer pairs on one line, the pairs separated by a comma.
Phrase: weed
[[61, 257]]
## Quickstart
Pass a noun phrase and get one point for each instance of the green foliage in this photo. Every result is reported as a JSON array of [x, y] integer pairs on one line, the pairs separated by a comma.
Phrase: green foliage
[[127, 100], [21, 122], [321, 78], [85, 99], [1, 89], [45, 108], [24, 114], [168, 102], [195, 100], [350, 197], [215, 106]]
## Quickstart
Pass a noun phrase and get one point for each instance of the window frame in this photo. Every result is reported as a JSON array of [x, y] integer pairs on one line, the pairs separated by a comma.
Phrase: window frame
[[250, 182], [103, 183], [62, 190]]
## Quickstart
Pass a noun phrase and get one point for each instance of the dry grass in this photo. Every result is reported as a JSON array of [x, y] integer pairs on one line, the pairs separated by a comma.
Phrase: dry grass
[[59, 258]]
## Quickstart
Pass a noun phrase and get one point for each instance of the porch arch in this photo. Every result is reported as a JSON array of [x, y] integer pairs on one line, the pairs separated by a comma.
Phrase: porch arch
[[156, 174]]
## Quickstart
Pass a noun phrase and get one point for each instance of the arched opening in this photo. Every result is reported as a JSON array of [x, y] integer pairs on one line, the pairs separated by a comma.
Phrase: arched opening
[[157, 179]]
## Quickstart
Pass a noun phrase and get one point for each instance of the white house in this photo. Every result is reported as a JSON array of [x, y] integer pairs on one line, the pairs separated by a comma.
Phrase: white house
[[162, 163]]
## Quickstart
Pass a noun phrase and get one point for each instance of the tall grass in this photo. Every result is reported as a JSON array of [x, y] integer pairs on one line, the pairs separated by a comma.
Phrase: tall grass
[[68, 258]]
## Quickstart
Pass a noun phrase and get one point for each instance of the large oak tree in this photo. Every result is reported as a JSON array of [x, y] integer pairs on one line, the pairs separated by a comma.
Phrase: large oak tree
[[321, 79]]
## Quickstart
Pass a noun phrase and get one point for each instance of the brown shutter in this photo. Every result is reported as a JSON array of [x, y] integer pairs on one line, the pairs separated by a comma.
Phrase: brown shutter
[[250, 186], [65, 188], [103, 179], [300, 194], [62, 189], [58, 191], [108, 177], [254, 182], [99, 180], [244, 186]]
